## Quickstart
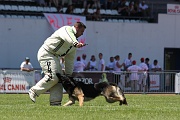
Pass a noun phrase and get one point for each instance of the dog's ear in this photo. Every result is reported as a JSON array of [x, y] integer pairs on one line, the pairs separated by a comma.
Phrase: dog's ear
[[61, 77], [58, 75]]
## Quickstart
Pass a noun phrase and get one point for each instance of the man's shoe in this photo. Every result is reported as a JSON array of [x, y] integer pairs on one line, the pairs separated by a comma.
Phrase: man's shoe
[[32, 95]]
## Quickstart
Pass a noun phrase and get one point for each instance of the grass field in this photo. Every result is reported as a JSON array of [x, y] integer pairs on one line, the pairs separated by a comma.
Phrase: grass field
[[141, 107]]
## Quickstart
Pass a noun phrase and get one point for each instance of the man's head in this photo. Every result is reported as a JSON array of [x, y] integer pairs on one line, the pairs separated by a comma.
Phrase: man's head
[[129, 55], [80, 28], [142, 59], [78, 58], [27, 59], [117, 57], [155, 62], [111, 59], [147, 60], [93, 58], [84, 56], [134, 62], [100, 55]]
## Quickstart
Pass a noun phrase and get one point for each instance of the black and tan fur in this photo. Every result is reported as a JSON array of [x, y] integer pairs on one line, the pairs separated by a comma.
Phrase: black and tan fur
[[85, 92]]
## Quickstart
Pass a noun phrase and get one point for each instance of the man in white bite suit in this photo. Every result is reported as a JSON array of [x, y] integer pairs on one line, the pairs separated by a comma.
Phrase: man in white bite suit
[[63, 42]]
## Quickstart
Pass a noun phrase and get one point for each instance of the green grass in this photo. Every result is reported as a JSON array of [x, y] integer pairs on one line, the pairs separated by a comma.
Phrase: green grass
[[141, 107]]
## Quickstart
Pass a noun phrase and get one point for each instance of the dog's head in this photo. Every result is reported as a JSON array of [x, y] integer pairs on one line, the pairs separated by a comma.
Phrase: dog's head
[[113, 93]]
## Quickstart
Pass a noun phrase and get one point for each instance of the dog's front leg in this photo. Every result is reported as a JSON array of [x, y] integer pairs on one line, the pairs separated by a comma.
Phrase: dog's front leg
[[81, 99], [69, 103]]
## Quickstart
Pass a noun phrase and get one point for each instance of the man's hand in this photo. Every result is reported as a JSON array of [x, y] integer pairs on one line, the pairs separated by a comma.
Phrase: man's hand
[[79, 45]]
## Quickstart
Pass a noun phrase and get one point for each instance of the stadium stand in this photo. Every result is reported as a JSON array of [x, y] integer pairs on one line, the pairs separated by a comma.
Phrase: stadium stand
[[16, 8]]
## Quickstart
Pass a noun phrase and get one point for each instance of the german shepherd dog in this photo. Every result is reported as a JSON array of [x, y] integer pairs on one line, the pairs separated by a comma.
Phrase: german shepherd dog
[[85, 92]]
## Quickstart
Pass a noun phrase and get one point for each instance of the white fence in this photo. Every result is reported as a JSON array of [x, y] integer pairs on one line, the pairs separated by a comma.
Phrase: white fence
[[156, 82], [16, 81]]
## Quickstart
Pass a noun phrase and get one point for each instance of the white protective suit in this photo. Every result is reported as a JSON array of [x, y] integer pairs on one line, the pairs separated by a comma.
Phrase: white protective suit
[[61, 43]]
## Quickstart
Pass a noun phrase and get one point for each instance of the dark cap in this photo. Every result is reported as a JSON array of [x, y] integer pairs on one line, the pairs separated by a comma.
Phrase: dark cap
[[78, 58], [133, 62], [142, 59]]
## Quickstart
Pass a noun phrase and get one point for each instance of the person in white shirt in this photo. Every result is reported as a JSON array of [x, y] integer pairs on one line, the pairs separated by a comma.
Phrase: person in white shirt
[[92, 64], [26, 65], [134, 69], [117, 65], [143, 75], [84, 61], [79, 65], [62, 43], [155, 67], [101, 63], [110, 65], [143, 9], [128, 61]]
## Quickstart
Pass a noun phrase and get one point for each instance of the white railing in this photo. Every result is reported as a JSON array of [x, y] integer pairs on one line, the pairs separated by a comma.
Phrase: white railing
[[16, 81]]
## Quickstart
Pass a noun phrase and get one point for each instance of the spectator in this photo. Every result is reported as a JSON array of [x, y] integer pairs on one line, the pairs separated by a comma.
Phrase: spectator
[[110, 65], [26, 65], [143, 76], [103, 4], [110, 4], [134, 69], [40, 2], [123, 8], [96, 4], [70, 9], [84, 60], [127, 61], [88, 3], [66, 2], [86, 13], [143, 9], [97, 15], [117, 66], [155, 67], [92, 64], [57, 5], [131, 9], [148, 78], [101, 63], [136, 6], [79, 65]]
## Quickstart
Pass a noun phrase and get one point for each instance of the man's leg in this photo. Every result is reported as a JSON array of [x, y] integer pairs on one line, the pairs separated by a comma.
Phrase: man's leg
[[48, 64], [56, 92]]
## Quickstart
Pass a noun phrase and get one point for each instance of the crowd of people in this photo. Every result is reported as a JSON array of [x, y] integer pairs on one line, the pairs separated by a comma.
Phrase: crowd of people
[[114, 65], [137, 75], [137, 8]]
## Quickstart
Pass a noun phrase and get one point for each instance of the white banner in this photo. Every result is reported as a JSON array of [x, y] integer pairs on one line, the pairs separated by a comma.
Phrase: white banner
[[177, 83], [154, 82], [58, 20], [173, 9], [16, 81]]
